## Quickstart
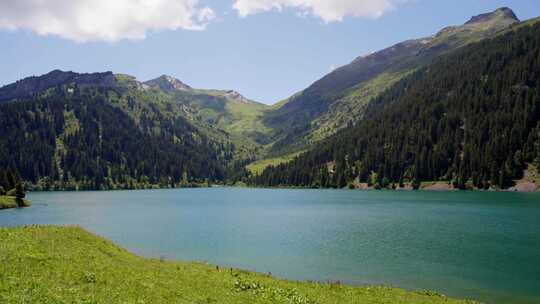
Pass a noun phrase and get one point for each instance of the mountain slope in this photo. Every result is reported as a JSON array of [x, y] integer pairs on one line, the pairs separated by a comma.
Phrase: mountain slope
[[92, 131], [34, 85], [226, 110], [341, 97], [471, 118]]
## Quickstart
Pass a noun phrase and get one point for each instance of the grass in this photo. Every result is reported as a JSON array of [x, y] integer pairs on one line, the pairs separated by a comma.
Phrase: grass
[[48, 264], [258, 167], [7, 202], [353, 104]]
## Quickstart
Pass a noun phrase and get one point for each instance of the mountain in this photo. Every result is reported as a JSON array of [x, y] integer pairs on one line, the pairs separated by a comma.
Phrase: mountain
[[471, 118], [168, 84], [499, 16], [33, 85], [226, 110], [67, 130], [341, 97]]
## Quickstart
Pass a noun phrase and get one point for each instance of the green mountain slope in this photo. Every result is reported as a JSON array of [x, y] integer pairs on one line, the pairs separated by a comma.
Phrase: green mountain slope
[[92, 131], [471, 118], [341, 97], [226, 110]]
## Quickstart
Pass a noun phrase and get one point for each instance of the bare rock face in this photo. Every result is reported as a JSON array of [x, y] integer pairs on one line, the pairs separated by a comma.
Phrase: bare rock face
[[33, 85], [524, 186]]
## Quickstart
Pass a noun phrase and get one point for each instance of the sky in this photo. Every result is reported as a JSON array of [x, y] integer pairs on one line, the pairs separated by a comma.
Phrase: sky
[[265, 49]]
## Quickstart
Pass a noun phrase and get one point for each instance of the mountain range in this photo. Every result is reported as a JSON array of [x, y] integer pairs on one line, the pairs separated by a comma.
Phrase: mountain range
[[107, 130]]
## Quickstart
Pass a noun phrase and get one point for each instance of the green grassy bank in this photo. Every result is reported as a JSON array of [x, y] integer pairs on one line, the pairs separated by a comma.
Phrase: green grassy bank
[[69, 265], [13, 202]]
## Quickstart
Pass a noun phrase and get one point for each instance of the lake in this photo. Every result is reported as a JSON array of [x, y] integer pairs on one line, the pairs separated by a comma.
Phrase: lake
[[478, 245]]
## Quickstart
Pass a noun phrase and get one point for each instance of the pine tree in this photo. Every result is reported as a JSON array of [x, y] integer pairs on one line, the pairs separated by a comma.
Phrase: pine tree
[[19, 191], [11, 180]]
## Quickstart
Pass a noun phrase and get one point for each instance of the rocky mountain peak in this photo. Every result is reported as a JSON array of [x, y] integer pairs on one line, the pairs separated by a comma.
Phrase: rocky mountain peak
[[503, 13], [477, 28], [168, 84]]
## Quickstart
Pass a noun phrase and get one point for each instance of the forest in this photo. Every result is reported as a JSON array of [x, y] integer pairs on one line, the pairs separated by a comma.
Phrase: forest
[[471, 118], [77, 138]]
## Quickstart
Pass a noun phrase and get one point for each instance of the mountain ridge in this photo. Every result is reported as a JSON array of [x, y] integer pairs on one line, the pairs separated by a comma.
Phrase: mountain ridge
[[506, 12], [35, 84], [338, 98]]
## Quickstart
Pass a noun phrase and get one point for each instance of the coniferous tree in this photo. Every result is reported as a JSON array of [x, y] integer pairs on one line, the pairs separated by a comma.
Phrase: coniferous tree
[[19, 191]]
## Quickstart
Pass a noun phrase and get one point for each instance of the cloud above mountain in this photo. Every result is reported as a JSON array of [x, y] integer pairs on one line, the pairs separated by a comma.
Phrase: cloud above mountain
[[327, 10], [113, 20], [103, 20]]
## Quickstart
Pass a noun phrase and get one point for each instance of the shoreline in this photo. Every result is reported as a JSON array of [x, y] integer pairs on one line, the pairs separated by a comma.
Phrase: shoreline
[[433, 187], [70, 263], [10, 202]]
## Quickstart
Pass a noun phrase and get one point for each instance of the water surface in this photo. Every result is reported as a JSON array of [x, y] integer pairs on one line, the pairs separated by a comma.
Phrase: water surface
[[484, 246]]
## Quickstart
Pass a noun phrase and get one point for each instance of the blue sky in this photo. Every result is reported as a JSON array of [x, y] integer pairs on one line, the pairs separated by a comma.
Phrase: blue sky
[[266, 55]]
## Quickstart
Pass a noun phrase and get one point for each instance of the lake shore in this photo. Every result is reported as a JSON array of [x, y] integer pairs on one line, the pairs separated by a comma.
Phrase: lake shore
[[72, 265], [439, 186], [8, 202], [390, 238]]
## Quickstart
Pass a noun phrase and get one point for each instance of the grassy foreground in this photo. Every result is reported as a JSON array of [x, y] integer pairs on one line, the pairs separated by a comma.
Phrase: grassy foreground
[[48, 264], [12, 202]]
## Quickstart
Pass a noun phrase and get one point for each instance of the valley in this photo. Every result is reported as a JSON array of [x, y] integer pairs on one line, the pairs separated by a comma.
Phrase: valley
[[410, 174], [204, 136]]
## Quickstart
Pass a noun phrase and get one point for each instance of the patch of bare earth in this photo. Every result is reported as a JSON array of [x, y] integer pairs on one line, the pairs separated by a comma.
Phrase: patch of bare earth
[[524, 186], [439, 186], [529, 181]]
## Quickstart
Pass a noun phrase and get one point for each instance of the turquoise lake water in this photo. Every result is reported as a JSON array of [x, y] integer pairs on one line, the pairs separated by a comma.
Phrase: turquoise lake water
[[479, 245]]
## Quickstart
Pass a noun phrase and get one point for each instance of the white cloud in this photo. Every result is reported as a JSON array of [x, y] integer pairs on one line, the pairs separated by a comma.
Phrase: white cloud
[[102, 20], [327, 10]]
